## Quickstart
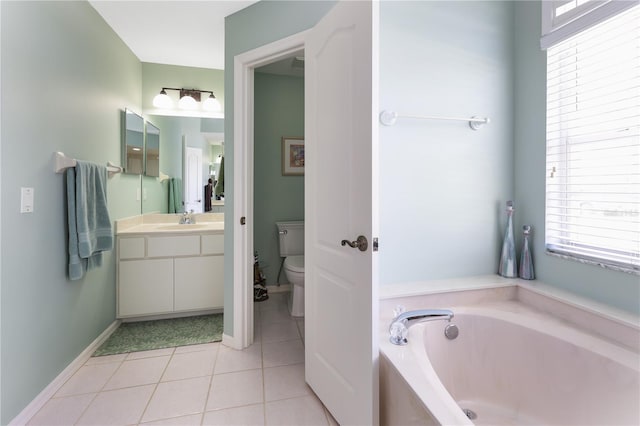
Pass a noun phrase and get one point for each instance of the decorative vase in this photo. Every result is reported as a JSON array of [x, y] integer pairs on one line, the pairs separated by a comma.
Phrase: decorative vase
[[526, 262], [508, 265]]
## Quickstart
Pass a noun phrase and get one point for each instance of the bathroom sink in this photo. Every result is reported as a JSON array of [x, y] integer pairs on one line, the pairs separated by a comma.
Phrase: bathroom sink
[[183, 227]]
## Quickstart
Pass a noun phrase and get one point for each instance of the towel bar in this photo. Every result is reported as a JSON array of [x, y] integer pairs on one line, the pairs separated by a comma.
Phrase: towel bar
[[389, 118], [61, 162]]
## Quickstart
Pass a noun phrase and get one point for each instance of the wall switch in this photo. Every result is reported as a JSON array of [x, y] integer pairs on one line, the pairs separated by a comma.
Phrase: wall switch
[[26, 200]]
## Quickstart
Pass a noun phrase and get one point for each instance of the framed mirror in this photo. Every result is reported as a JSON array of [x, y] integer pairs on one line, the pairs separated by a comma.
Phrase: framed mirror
[[133, 143], [152, 151]]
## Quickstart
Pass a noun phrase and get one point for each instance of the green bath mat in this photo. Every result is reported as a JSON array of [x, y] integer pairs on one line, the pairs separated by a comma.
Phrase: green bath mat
[[167, 333]]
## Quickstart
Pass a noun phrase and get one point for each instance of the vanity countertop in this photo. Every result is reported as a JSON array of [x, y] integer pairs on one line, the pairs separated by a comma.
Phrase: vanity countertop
[[169, 224]]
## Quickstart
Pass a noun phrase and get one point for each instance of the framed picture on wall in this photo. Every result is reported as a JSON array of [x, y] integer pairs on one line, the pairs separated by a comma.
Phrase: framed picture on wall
[[292, 156]]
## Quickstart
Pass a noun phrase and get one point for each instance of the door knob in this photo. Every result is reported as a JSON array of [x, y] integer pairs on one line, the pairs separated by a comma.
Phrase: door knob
[[361, 243]]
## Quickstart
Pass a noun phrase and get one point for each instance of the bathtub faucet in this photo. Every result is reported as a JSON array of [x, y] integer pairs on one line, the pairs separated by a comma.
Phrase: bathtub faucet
[[400, 324]]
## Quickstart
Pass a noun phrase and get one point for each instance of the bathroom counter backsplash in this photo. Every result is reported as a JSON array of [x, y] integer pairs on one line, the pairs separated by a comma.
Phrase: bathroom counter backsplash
[[169, 223]]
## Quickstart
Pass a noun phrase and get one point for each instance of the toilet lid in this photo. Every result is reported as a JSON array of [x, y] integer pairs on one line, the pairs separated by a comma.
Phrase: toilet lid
[[294, 263]]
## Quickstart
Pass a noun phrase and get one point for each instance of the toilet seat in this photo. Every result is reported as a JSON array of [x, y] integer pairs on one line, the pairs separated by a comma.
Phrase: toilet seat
[[294, 263]]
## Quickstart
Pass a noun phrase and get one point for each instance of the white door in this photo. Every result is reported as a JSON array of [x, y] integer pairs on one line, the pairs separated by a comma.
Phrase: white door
[[193, 188], [341, 306]]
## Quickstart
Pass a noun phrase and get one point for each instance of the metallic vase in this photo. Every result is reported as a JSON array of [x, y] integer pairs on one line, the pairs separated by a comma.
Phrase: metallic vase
[[526, 262], [508, 265]]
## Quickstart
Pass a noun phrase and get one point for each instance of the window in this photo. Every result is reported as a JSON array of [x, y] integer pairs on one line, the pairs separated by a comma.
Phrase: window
[[593, 143]]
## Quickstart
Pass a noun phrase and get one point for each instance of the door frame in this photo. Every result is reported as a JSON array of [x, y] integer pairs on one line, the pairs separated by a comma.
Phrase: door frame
[[186, 181], [243, 157]]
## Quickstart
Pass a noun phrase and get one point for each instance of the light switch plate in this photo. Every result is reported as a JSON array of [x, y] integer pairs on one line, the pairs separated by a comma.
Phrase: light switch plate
[[26, 200]]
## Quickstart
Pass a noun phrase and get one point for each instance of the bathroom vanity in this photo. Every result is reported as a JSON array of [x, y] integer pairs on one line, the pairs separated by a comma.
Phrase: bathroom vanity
[[217, 206], [169, 269]]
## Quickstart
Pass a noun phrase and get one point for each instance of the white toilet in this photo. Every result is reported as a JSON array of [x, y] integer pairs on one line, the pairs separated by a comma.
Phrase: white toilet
[[291, 241]]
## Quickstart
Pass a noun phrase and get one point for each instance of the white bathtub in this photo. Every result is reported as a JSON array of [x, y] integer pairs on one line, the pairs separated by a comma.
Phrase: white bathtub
[[512, 363]]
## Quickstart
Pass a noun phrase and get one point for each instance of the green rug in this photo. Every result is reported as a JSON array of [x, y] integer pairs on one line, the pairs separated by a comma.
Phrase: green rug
[[158, 334]]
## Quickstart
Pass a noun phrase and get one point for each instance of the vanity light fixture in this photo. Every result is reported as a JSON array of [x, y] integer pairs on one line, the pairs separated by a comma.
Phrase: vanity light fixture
[[189, 99]]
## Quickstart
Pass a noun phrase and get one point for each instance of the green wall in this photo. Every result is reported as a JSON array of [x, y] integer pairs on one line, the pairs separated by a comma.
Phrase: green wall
[[157, 76], [278, 112], [443, 186], [614, 288], [65, 79], [257, 25]]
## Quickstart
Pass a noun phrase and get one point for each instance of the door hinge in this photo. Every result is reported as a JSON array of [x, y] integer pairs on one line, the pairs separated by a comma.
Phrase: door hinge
[[243, 220], [375, 244]]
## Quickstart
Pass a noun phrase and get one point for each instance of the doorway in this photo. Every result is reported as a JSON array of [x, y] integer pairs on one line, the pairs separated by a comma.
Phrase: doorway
[[278, 186], [193, 198], [244, 177]]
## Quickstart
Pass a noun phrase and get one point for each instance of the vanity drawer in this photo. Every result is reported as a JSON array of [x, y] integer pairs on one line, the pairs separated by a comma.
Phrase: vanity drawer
[[184, 245], [131, 248], [213, 244]]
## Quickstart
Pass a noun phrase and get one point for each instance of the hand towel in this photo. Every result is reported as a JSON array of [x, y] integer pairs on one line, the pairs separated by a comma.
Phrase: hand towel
[[77, 266], [175, 195], [219, 190], [90, 230], [208, 192]]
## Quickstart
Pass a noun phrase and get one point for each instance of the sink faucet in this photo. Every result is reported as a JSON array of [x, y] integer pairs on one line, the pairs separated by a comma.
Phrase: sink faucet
[[187, 218], [400, 324]]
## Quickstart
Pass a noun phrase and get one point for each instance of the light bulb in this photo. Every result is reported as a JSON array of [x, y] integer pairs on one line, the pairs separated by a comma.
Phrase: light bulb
[[187, 102], [211, 104], [162, 100]]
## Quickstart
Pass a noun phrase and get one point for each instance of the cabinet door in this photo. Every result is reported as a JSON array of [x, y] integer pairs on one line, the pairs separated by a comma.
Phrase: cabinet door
[[145, 287], [199, 283]]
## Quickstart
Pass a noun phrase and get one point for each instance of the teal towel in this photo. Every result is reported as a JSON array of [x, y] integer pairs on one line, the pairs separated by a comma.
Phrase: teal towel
[[175, 195], [90, 231], [220, 184]]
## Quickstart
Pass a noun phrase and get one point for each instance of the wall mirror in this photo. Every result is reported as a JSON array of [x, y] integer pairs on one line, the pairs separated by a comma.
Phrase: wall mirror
[[174, 133], [152, 151], [133, 142]]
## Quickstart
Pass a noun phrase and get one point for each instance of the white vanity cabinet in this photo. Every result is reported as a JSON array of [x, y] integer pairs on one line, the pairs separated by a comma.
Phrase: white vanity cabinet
[[166, 273]]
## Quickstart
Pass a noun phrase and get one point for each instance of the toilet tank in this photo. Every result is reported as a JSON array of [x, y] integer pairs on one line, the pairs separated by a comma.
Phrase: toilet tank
[[291, 238]]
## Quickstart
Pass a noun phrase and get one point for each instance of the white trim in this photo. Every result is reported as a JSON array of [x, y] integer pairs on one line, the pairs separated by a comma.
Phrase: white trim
[[47, 393], [230, 341], [551, 36], [244, 65]]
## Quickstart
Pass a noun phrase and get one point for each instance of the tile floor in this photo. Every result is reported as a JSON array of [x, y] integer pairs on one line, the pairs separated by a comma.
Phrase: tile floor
[[197, 385]]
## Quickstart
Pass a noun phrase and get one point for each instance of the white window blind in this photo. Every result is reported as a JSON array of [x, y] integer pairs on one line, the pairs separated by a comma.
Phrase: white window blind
[[564, 18], [593, 144]]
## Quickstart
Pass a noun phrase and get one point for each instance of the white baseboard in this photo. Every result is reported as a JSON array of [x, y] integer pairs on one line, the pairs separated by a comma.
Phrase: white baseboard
[[282, 288], [230, 341], [38, 402]]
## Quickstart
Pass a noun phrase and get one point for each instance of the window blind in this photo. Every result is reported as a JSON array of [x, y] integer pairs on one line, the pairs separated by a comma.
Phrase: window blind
[[564, 18], [593, 144]]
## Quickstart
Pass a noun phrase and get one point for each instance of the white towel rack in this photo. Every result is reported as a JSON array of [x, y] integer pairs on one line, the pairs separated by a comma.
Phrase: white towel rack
[[61, 162], [389, 118]]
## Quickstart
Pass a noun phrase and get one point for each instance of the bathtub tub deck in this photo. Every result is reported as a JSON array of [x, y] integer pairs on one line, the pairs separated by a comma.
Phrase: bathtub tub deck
[[514, 362]]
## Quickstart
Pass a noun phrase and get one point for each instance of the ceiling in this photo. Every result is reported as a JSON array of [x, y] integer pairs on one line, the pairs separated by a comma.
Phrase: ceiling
[[175, 32]]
